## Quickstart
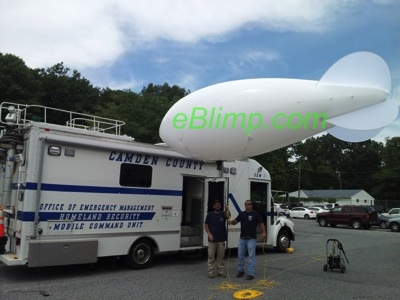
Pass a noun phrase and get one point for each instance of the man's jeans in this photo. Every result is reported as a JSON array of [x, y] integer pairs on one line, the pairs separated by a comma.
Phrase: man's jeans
[[250, 246]]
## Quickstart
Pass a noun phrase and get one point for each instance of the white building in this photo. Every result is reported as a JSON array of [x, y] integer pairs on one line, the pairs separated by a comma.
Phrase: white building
[[341, 197]]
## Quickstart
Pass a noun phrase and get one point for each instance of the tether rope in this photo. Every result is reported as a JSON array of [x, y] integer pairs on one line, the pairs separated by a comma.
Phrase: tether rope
[[251, 290]]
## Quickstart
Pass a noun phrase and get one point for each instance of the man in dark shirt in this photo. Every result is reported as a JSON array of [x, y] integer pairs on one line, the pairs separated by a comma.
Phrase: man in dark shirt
[[215, 226], [249, 219]]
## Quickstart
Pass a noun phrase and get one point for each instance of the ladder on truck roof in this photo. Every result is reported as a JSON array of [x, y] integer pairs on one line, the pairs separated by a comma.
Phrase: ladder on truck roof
[[22, 115]]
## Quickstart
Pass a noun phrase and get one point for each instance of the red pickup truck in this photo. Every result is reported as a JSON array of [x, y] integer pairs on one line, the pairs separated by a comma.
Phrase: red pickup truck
[[356, 216]]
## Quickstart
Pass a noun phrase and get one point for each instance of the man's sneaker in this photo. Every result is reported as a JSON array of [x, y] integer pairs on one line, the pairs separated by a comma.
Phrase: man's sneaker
[[210, 275], [249, 277], [223, 275], [240, 274]]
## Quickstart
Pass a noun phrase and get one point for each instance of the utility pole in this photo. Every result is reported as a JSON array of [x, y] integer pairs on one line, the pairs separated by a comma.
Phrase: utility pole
[[298, 187], [340, 179]]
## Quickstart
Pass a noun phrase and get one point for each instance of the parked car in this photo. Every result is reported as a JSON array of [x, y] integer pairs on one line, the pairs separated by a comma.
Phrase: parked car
[[286, 207], [320, 206], [318, 209], [331, 205], [352, 215], [393, 212], [394, 224], [303, 213], [382, 221]]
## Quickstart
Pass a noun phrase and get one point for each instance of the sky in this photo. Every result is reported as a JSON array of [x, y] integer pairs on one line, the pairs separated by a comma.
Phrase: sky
[[127, 44]]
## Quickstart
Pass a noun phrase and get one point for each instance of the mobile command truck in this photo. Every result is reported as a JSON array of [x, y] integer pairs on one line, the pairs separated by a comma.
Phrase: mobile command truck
[[77, 192]]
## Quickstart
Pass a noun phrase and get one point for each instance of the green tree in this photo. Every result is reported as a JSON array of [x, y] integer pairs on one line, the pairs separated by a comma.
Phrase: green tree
[[361, 163], [329, 163], [279, 166], [156, 101], [17, 82], [389, 179], [66, 90], [142, 112]]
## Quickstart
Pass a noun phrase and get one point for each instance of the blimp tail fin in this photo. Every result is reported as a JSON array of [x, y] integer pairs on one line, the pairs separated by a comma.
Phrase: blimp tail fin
[[362, 69], [353, 136]]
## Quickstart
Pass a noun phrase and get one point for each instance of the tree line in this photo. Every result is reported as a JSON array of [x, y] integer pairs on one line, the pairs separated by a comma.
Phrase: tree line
[[317, 163]]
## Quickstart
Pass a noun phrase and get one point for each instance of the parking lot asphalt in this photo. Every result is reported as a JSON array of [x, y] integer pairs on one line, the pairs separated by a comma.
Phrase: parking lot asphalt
[[373, 272]]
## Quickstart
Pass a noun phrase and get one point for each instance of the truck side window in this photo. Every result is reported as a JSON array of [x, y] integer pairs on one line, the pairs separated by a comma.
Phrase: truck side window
[[135, 175]]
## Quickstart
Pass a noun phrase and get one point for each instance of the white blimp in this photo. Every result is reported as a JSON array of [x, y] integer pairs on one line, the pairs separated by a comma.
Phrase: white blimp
[[243, 118]]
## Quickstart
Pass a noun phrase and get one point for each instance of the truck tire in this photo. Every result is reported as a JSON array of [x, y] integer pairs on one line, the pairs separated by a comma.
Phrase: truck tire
[[394, 226], [356, 224], [323, 222], [282, 241], [141, 254]]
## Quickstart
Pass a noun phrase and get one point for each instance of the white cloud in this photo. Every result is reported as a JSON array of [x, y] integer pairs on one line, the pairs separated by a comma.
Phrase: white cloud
[[393, 130], [258, 56], [386, 1], [253, 58], [187, 80], [191, 21], [97, 32], [42, 33]]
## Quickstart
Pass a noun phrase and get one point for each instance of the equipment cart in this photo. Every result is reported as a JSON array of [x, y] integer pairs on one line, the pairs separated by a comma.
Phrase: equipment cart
[[334, 259]]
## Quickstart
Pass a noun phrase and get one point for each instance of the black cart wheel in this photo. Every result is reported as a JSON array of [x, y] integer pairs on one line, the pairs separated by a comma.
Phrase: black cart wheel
[[325, 268], [343, 269]]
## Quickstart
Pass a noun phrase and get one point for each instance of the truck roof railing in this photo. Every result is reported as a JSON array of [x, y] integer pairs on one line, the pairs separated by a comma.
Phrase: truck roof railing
[[23, 115]]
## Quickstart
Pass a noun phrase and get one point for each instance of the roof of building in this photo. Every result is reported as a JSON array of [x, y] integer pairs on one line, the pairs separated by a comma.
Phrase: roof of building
[[342, 194]]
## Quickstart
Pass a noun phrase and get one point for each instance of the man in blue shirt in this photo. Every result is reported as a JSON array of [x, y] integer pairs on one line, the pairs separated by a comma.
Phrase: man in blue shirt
[[249, 219], [215, 226]]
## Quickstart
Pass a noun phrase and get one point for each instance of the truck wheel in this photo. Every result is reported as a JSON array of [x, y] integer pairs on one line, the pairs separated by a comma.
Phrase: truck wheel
[[382, 225], [394, 226], [323, 222], [282, 241], [140, 255], [356, 224]]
